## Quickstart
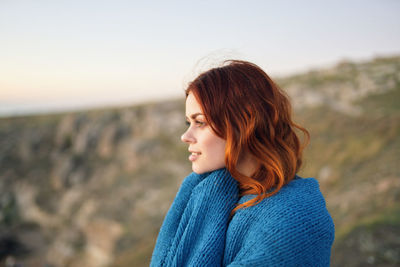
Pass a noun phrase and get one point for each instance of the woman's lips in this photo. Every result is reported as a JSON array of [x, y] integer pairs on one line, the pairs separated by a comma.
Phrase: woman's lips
[[194, 156]]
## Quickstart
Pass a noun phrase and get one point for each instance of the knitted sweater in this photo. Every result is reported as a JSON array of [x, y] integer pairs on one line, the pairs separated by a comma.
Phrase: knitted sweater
[[290, 228]]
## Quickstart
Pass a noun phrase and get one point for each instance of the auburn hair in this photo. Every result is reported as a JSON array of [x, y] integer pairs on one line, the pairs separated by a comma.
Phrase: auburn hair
[[246, 108]]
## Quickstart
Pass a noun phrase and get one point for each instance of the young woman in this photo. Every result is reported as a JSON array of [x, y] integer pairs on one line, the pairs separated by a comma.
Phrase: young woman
[[243, 205]]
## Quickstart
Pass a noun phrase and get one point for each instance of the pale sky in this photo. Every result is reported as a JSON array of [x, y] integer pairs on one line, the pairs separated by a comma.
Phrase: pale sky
[[68, 54]]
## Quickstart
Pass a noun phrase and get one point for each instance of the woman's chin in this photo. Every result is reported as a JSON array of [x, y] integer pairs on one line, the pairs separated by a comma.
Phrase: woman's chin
[[195, 170], [199, 170]]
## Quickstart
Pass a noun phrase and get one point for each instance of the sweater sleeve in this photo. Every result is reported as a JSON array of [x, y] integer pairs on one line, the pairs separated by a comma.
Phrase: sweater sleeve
[[172, 219], [193, 232], [293, 228]]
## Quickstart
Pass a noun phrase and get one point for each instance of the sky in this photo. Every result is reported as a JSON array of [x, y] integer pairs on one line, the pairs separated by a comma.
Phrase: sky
[[70, 54]]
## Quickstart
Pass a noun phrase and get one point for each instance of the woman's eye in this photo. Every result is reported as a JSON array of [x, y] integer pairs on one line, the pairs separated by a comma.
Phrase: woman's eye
[[198, 123]]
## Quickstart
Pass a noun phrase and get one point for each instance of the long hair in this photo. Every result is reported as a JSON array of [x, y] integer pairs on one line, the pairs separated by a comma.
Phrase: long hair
[[246, 108]]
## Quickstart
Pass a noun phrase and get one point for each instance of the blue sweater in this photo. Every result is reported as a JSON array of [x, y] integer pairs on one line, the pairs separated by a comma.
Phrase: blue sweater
[[291, 228]]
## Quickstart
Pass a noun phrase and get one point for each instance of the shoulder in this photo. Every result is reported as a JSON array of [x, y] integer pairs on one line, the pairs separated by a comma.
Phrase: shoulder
[[299, 206], [301, 194], [292, 227]]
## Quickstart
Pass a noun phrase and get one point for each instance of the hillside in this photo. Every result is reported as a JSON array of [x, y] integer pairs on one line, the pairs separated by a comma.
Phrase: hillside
[[354, 120], [91, 188]]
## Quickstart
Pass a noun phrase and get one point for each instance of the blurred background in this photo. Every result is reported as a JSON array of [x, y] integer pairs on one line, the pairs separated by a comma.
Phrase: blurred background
[[92, 109]]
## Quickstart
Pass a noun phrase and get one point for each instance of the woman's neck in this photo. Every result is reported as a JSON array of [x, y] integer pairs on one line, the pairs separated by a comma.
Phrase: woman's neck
[[246, 164]]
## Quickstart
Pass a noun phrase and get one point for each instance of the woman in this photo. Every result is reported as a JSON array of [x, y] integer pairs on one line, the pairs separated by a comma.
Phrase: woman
[[243, 205]]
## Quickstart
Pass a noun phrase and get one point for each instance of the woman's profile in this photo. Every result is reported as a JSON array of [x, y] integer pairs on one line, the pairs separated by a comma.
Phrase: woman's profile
[[243, 204]]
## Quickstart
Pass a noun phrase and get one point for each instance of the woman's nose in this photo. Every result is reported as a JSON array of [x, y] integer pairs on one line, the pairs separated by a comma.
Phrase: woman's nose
[[187, 137]]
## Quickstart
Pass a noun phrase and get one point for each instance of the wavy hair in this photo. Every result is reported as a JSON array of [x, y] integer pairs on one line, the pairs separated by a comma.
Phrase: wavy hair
[[246, 108]]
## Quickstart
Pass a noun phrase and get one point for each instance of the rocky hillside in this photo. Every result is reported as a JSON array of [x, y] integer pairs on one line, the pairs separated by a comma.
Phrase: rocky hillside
[[353, 114], [81, 189], [91, 188]]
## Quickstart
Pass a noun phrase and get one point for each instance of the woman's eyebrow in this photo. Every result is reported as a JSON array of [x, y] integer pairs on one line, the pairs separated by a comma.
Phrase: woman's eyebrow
[[193, 116]]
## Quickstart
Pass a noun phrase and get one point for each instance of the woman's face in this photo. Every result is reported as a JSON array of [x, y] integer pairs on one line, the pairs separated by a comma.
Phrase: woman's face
[[207, 150]]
